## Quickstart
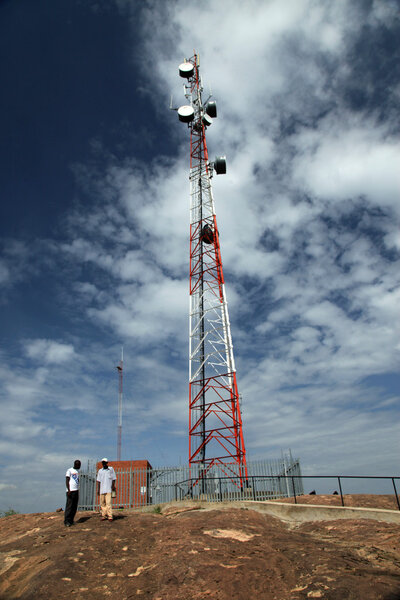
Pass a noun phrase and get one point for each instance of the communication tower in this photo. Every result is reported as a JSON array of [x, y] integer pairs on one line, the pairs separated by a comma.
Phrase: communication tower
[[215, 422], [120, 369]]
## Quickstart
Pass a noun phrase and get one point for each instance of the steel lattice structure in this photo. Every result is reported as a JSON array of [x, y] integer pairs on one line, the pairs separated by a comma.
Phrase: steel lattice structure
[[120, 369], [215, 422]]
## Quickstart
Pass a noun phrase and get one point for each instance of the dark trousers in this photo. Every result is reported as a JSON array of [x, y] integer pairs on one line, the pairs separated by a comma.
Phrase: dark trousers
[[71, 507]]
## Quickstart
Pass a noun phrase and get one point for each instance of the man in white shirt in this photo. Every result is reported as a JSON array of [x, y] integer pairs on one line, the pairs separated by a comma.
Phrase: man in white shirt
[[105, 485], [72, 483]]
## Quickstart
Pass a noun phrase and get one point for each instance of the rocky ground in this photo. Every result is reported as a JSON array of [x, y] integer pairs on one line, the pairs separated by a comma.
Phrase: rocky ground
[[235, 553]]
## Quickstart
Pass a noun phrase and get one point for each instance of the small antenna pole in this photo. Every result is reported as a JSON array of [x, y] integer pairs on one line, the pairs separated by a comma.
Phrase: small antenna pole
[[120, 369]]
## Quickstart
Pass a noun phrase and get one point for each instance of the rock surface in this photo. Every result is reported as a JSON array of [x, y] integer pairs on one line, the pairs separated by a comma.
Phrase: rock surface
[[234, 553]]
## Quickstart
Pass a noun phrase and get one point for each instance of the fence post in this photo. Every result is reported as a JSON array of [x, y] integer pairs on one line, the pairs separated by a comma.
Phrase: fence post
[[94, 495], [253, 486], [395, 491], [220, 489], [294, 491], [341, 493]]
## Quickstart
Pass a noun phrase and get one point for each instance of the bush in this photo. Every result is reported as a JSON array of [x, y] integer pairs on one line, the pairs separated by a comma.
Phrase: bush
[[8, 513]]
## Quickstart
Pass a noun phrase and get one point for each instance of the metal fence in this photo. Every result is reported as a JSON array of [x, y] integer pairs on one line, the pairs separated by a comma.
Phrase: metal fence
[[349, 478], [265, 479]]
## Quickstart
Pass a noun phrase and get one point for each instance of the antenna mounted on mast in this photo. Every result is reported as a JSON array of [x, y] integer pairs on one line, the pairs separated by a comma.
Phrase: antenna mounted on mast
[[120, 369]]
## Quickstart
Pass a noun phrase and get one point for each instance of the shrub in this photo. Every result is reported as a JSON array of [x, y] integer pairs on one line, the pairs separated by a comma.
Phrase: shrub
[[8, 513]]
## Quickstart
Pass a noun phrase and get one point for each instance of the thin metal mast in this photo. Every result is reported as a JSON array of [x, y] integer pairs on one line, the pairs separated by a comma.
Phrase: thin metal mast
[[120, 368], [215, 423]]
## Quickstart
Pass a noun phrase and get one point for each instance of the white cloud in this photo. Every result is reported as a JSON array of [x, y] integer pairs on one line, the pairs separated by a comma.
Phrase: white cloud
[[384, 12], [150, 313], [15, 263], [49, 351], [7, 486], [340, 161], [4, 273]]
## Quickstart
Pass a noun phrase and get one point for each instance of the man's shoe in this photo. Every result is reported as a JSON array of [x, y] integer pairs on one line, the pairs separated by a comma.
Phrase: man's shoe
[[67, 524], [103, 519], [110, 519]]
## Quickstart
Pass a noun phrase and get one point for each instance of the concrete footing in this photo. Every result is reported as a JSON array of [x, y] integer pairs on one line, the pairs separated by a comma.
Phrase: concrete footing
[[297, 513], [309, 512]]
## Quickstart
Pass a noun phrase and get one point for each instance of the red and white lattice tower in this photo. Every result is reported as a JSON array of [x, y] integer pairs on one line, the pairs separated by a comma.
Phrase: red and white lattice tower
[[215, 423], [120, 369]]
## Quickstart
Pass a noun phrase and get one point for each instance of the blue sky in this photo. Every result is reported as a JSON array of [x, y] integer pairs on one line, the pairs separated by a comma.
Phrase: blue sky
[[94, 230]]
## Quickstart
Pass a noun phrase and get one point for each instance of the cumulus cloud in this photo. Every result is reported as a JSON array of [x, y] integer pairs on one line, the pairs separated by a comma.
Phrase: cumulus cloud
[[49, 351], [342, 160], [4, 273], [15, 263], [7, 486]]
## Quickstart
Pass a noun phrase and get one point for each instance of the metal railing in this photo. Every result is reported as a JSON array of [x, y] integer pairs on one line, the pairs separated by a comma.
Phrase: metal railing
[[338, 478], [152, 487]]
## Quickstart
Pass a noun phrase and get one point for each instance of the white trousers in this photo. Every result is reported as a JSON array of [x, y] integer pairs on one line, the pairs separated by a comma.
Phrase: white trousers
[[105, 505]]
